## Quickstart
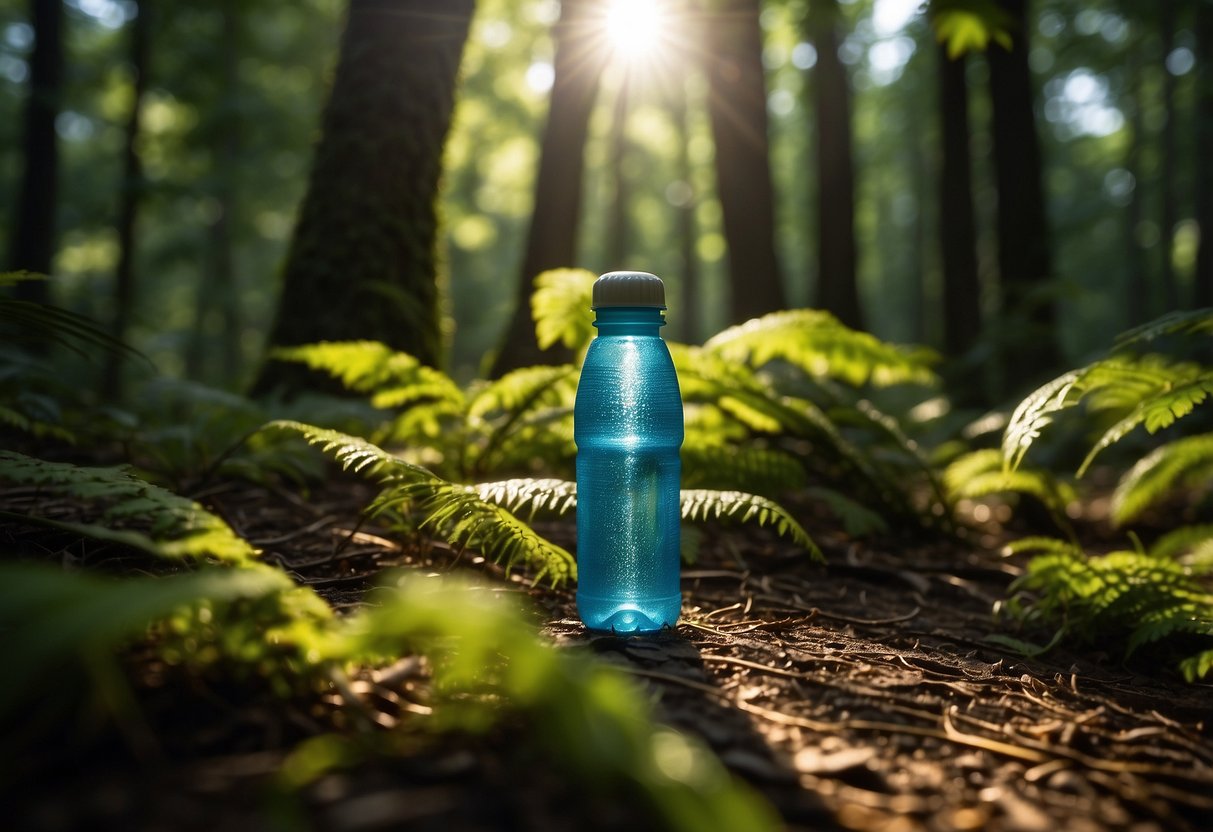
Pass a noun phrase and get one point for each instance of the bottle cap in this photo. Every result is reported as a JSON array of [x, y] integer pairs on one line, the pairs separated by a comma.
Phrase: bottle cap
[[629, 289]]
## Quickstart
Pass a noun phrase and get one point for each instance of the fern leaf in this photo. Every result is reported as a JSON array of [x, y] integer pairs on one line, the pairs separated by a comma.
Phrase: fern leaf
[[1192, 322], [981, 474], [1034, 414], [1157, 412], [702, 504], [356, 454], [766, 471], [127, 510], [531, 495], [521, 390], [818, 344], [857, 519], [1161, 471], [395, 378], [1195, 668], [560, 306], [1181, 540]]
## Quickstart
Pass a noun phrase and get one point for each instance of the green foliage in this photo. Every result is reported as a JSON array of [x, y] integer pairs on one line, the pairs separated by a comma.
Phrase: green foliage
[[1128, 597], [1126, 391], [560, 306], [982, 473], [253, 624], [123, 508], [969, 25], [26, 322]]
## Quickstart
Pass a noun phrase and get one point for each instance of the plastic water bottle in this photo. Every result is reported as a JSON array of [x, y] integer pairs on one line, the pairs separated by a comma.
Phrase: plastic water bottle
[[627, 424]]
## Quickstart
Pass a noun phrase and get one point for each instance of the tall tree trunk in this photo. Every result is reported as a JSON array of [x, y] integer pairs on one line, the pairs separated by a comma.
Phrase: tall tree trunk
[[226, 156], [617, 229], [1024, 259], [1204, 162], [737, 106], [130, 195], [1170, 199], [1137, 295], [957, 225], [688, 304], [362, 264], [556, 216], [33, 242], [837, 282]]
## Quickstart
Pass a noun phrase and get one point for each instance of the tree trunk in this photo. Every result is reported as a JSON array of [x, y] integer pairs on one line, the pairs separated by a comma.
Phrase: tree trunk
[[227, 158], [1137, 295], [1204, 162], [737, 107], [617, 230], [837, 283], [957, 225], [33, 243], [362, 264], [1024, 259], [1170, 292], [130, 195], [687, 313], [552, 240]]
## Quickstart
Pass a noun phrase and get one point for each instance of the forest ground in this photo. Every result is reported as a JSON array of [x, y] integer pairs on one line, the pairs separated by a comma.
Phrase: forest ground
[[857, 695]]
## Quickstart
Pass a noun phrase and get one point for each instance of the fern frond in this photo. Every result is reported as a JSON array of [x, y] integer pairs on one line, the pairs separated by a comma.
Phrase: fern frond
[[1157, 412], [126, 509], [560, 307], [1178, 541], [519, 391], [460, 515], [1161, 471], [766, 471], [1034, 414], [396, 379], [531, 495], [857, 519], [357, 455], [1195, 668], [817, 343], [1192, 322], [702, 504], [42, 323], [981, 474]]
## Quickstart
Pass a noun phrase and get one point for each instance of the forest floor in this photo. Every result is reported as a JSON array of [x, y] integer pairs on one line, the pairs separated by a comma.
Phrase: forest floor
[[858, 695]]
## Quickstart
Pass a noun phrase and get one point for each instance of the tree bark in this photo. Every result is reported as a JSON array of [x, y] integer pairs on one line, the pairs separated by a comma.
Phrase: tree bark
[[33, 242], [1170, 199], [1024, 258], [580, 57], [362, 264], [737, 107], [837, 283], [1204, 164], [130, 195], [957, 225]]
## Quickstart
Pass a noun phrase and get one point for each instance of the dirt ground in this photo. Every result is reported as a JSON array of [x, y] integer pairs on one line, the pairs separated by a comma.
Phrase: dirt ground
[[858, 695]]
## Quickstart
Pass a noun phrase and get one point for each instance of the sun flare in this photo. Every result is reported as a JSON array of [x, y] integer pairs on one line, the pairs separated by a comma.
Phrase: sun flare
[[634, 26]]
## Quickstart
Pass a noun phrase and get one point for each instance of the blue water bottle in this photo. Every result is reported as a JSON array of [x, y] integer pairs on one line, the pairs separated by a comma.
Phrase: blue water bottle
[[627, 423]]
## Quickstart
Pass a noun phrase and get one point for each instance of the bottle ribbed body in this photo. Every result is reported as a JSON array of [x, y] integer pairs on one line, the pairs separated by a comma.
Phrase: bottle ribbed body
[[628, 430]]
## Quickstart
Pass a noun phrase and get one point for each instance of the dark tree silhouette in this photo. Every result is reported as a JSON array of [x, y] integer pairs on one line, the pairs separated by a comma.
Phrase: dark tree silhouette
[[1204, 156], [130, 195], [737, 107], [1137, 295], [551, 242], [1024, 258], [957, 225], [837, 287], [33, 241], [362, 262]]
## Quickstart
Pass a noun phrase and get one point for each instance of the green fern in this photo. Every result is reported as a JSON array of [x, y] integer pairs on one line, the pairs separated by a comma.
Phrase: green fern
[[1131, 597], [1191, 322], [766, 471], [124, 509], [1187, 461], [454, 512], [560, 306], [857, 519], [817, 343], [981, 474]]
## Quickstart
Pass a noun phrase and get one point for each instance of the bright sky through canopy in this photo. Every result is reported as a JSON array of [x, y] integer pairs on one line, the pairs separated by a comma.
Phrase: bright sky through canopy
[[633, 26]]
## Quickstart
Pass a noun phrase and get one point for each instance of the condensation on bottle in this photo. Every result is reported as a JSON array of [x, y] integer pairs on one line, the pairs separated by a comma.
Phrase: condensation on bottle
[[627, 424]]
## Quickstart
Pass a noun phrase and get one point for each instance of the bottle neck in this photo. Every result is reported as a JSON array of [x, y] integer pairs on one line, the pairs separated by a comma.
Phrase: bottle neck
[[629, 320]]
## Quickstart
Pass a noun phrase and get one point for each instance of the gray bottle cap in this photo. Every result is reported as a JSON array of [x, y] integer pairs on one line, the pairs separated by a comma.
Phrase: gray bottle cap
[[629, 289]]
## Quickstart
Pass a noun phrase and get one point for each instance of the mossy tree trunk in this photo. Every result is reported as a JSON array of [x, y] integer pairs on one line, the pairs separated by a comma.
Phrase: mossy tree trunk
[[551, 243], [737, 108], [362, 263], [32, 245]]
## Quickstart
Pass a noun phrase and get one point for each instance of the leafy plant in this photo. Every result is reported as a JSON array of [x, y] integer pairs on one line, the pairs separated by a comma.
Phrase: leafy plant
[[1133, 598]]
